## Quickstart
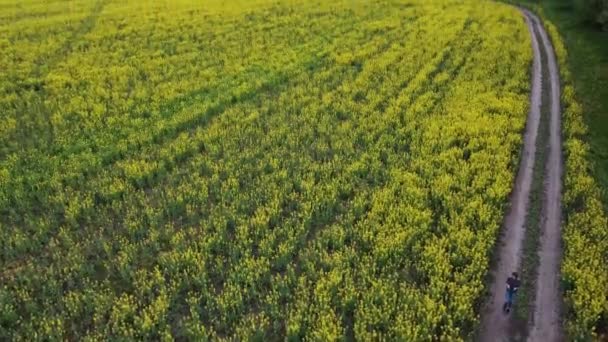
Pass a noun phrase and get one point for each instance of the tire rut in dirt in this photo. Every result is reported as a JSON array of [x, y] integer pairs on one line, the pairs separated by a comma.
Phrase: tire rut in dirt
[[547, 324], [495, 325]]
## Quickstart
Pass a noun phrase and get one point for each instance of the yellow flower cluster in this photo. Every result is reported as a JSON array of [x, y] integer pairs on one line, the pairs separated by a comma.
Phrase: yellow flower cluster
[[257, 170], [585, 261]]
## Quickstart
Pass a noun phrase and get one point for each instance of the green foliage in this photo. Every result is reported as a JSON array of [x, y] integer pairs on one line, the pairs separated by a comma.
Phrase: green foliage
[[595, 11]]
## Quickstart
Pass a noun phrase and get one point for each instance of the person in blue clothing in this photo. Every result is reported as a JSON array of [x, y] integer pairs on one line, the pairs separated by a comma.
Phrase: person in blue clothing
[[513, 284]]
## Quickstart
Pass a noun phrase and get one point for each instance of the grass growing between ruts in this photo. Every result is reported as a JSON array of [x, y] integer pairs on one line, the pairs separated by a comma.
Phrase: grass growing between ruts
[[524, 307]]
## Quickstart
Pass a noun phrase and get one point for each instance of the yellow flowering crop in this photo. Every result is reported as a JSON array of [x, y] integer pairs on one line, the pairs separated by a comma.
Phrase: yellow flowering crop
[[584, 268], [234, 170]]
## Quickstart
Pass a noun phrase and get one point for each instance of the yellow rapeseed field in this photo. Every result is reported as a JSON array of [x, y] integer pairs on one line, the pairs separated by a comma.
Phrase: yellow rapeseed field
[[584, 269], [260, 170]]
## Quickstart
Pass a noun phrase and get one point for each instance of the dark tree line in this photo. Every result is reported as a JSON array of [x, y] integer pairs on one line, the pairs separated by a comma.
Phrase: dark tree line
[[594, 11]]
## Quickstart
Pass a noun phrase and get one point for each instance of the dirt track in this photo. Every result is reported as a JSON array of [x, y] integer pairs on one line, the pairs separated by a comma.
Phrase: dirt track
[[495, 325], [547, 323]]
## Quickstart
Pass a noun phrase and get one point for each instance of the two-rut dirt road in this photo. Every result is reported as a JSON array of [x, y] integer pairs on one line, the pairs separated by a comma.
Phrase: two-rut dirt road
[[546, 324]]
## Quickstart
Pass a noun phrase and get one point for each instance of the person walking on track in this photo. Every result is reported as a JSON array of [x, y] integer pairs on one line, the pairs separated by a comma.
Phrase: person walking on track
[[513, 284]]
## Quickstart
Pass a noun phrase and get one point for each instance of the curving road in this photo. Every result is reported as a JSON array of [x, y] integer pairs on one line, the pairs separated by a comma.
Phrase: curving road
[[546, 326]]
